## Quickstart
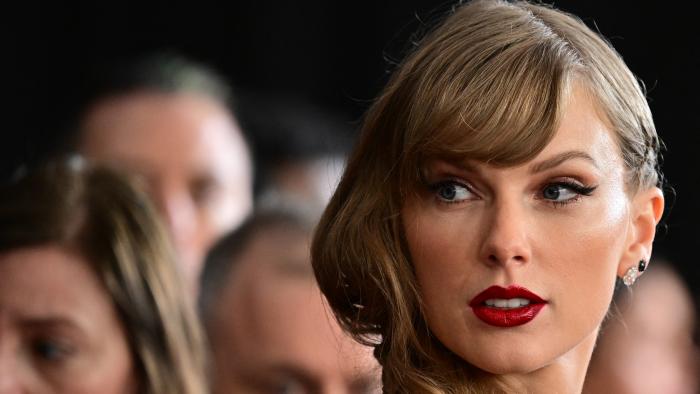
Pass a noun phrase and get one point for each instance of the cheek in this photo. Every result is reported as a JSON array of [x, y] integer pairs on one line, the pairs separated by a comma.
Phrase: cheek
[[122, 365], [107, 368], [441, 245], [598, 232], [583, 252], [113, 369], [228, 210]]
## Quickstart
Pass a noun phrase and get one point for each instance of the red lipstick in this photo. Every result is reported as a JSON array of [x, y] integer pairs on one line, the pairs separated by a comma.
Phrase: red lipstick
[[506, 307]]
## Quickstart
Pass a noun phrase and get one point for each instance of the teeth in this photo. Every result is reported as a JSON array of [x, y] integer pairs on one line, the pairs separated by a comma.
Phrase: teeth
[[507, 303]]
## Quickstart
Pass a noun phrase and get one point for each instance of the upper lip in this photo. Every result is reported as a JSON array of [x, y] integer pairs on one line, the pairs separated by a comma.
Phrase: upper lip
[[512, 291]]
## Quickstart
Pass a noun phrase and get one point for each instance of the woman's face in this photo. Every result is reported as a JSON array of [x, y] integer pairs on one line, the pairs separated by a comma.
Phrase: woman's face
[[59, 331], [560, 226]]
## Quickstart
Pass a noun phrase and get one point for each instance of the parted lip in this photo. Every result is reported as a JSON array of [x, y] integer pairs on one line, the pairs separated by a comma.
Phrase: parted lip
[[512, 291]]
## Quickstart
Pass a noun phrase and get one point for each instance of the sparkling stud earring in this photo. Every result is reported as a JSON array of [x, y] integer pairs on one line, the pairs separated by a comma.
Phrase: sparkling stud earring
[[630, 276], [633, 273]]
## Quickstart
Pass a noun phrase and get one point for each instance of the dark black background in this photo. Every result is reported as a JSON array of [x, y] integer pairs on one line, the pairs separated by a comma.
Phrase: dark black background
[[335, 54]]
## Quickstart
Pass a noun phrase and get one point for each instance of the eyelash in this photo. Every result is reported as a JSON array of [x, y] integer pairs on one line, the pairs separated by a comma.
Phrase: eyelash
[[579, 189], [435, 188]]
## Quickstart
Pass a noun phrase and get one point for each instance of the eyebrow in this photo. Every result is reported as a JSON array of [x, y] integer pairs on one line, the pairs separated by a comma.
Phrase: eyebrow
[[561, 158], [50, 322], [286, 372], [461, 166]]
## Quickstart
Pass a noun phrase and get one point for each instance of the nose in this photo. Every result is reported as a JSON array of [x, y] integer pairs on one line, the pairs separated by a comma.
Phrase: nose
[[506, 236], [188, 233], [9, 379], [179, 212], [9, 383]]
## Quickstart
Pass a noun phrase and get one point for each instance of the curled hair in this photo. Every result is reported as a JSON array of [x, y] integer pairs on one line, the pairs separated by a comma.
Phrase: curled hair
[[488, 84], [101, 216]]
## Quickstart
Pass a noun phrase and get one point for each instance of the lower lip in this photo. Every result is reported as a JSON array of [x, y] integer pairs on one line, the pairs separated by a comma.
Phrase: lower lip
[[500, 317]]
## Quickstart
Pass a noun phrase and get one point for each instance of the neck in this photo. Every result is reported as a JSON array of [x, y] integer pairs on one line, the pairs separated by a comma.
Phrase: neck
[[565, 375]]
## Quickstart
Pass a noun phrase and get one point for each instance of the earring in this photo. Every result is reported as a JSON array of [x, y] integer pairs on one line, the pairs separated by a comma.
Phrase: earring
[[630, 276], [642, 265], [634, 272]]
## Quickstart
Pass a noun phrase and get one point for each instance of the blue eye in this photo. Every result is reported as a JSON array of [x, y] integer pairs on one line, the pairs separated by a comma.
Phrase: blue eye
[[558, 193], [49, 350], [451, 191], [564, 192]]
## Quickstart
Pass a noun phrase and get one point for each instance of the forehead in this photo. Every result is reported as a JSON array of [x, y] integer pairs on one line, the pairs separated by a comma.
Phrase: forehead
[[160, 132], [583, 127], [34, 285], [276, 316]]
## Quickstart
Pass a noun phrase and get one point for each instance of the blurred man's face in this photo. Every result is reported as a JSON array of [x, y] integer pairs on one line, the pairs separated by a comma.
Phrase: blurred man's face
[[191, 156], [272, 332]]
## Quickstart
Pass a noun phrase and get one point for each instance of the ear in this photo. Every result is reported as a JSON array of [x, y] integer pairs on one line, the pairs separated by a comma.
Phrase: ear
[[647, 208]]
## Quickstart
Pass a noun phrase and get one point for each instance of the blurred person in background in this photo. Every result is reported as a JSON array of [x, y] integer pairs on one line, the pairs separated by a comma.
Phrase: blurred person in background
[[267, 322], [90, 297], [300, 150], [167, 120], [647, 345]]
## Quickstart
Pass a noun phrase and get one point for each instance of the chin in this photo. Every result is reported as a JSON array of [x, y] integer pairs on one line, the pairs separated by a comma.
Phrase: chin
[[507, 367], [504, 361]]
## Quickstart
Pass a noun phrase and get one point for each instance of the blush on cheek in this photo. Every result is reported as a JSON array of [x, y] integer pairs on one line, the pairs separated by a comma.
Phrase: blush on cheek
[[588, 275], [597, 233]]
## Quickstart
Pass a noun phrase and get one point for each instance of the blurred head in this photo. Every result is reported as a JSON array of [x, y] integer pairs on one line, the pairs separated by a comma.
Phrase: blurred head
[[266, 319], [90, 297], [299, 149], [646, 346], [167, 120], [512, 147]]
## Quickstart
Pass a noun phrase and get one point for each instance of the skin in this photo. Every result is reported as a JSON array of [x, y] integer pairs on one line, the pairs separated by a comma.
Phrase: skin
[[304, 184], [312, 180], [647, 346], [191, 156], [272, 332], [502, 228], [55, 337]]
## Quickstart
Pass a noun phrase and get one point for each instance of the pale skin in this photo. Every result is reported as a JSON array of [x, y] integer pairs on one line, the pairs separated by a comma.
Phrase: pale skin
[[59, 330], [191, 156], [272, 332], [564, 225]]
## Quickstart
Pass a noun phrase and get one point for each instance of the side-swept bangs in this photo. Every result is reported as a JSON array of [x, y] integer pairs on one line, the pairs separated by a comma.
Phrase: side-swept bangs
[[480, 92]]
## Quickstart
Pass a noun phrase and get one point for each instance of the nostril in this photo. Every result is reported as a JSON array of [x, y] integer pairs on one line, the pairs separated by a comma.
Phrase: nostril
[[494, 259]]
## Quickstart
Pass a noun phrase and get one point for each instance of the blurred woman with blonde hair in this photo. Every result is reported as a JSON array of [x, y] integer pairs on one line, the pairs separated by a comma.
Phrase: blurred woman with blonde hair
[[90, 297]]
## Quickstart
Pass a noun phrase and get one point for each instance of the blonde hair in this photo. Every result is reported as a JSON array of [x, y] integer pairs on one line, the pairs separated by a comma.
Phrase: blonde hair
[[487, 84], [104, 218]]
